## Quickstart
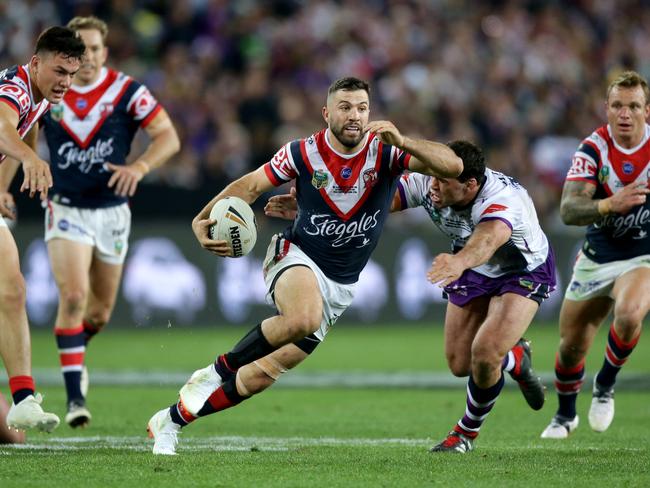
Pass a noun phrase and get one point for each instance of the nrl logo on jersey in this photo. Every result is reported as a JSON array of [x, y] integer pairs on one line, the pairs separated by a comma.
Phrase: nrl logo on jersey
[[603, 175], [319, 179], [56, 112]]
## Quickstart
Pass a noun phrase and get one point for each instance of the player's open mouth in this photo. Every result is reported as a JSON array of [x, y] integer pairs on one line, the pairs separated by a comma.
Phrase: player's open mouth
[[352, 129]]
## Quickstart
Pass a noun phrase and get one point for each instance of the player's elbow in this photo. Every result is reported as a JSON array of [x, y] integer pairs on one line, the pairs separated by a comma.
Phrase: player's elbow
[[453, 168]]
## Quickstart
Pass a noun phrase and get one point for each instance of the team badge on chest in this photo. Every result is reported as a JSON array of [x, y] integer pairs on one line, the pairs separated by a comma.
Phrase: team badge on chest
[[56, 112], [370, 177], [319, 179]]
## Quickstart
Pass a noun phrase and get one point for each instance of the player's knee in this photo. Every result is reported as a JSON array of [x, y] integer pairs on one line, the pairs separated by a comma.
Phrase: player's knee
[[73, 300], [98, 318], [13, 294], [301, 324], [571, 353], [458, 365], [629, 316]]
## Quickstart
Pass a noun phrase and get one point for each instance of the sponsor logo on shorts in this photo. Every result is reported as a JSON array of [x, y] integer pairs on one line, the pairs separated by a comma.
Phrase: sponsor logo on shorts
[[529, 285], [583, 288], [64, 225]]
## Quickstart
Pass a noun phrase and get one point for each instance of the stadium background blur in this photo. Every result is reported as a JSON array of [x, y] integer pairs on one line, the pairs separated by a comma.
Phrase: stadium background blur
[[524, 79]]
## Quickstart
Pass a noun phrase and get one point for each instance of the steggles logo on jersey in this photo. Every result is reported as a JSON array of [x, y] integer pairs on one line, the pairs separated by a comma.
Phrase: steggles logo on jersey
[[622, 224], [319, 179], [85, 159], [324, 225]]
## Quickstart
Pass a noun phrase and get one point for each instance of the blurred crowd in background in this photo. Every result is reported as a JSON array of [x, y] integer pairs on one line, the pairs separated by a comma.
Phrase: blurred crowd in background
[[524, 79]]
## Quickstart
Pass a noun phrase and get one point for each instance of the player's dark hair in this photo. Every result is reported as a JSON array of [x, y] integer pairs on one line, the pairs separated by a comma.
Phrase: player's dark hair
[[473, 160], [60, 40], [349, 83], [630, 79]]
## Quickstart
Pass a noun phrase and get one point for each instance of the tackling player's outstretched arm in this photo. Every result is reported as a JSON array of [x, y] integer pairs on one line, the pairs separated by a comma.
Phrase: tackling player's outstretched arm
[[428, 157], [164, 144], [249, 187], [578, 206], [487, 237], [37, 172]]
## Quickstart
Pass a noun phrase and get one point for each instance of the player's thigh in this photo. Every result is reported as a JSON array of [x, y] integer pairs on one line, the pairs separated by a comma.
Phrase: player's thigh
[[508, 318], [12, 284], [104, 283], [631, 295], [461, 326], [296, 292], [580, 320], [70, 262]]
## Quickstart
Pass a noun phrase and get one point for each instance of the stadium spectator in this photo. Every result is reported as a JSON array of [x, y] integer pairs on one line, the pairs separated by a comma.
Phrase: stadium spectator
[[504, 74], [345, 176], [26, 92], [606, 189], [88, 219]]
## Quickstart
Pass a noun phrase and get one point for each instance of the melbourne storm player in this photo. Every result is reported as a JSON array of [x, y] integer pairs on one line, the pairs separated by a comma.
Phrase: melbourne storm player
[[87, 222], [346, 176], [606, 189], [502, 268], [25, 95]]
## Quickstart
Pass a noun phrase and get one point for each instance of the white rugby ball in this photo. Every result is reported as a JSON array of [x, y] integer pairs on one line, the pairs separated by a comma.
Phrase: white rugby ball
[[235, 224]]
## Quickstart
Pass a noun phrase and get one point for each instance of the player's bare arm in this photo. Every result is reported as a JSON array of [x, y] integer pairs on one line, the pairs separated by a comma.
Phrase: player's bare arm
[[430, 158], [164, 144], [249, 187], [8, 170], [37, 172], [578, 206], [488, 236]]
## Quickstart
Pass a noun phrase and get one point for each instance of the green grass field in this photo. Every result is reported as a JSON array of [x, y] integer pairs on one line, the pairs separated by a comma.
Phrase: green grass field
[[323, 436]]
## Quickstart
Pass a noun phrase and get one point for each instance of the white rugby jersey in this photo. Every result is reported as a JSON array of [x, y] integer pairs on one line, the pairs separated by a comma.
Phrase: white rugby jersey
[[500, 197]]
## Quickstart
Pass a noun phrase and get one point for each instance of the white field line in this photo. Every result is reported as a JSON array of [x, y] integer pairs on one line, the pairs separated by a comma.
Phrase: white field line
[[55, 445], [325, 379]]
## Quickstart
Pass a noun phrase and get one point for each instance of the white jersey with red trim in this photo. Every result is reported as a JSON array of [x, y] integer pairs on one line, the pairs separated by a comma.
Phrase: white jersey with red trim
[[94, 125], [602, 162], [343, 200], [16, 91], [500, 197]]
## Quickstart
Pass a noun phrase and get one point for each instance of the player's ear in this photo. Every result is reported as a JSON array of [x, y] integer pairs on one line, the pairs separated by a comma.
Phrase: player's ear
[[325, 113]]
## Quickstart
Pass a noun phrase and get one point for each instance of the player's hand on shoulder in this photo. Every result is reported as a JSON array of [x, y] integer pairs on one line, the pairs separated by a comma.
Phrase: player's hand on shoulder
[[37, 176], [125, 178], [445, 269], [282, 206], [628, 197], [201, 229], [7, 205], [386, 132]]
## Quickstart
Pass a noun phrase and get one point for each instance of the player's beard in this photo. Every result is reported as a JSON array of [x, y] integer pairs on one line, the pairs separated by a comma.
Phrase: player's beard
[[347, 141]]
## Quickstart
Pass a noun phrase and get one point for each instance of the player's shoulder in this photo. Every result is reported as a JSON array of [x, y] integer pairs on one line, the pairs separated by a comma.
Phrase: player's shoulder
[[15, 76]]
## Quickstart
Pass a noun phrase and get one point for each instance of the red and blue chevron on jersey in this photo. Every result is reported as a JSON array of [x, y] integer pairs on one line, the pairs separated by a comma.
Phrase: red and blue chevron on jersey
[[94, 125], [343, 200], [602, 162], [16, 91]]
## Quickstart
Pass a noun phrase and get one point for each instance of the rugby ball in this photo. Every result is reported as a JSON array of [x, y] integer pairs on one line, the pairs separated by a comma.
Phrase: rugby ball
[[235, 224]]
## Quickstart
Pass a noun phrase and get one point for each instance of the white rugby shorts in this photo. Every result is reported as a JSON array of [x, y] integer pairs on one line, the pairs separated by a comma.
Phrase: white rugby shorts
[[106, 229], [591, 280], [282, 254]]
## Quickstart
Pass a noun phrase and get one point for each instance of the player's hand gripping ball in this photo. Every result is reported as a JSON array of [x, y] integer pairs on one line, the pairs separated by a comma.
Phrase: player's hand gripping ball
[[235, 224]]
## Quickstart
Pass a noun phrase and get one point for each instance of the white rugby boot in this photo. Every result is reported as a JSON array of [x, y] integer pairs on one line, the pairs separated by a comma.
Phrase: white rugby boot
[[560, 427], [29, 414], [164, 432], [203, 383], [601, 412], [78, 414]]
